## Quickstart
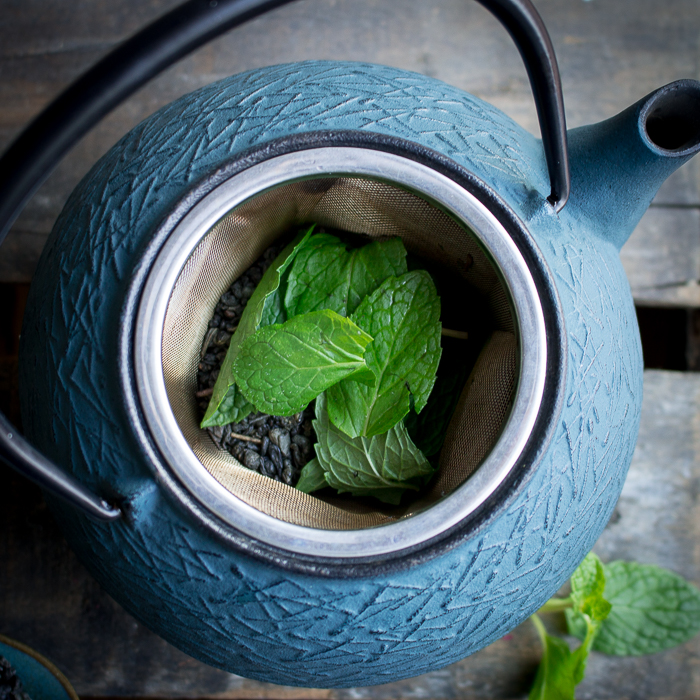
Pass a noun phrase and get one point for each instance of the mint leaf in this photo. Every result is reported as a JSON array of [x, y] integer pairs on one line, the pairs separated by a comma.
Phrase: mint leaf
[[587, 586], [590, 608], [575, 623], [402, 315], [427, 429], [313, 279], [384, 466], [652, 609], [325, 275], [263, 308], [561, 669], [281, 368], [312, 477], [233, 407], [370, 266], [555, 674]]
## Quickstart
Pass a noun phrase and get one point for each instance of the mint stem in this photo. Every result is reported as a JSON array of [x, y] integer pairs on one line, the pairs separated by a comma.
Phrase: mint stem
[[541, 631], [462, 335], [557, 605]]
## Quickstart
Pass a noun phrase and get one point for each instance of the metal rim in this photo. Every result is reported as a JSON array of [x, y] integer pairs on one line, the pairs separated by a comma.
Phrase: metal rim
[[330, 162]]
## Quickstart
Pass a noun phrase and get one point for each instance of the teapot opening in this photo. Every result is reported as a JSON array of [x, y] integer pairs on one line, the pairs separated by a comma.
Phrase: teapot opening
[[376, 194], [671, 119]]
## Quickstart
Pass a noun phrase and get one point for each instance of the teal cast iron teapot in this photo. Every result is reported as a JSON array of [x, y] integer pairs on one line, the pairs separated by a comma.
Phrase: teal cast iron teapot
[[248, 574]]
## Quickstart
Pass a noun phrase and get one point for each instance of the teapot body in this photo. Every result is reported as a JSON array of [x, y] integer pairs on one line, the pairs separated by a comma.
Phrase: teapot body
[[205, 589]]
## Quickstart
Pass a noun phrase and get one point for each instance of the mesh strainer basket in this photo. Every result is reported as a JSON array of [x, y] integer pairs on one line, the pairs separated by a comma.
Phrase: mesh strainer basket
[[378, 195]]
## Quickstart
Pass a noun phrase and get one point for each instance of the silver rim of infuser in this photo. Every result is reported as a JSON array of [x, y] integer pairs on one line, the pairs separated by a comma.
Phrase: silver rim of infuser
[[406, 175]]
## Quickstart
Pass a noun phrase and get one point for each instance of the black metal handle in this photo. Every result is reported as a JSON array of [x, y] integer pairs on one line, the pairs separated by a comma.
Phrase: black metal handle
[[525, 26], [29, 160], [18, 453]]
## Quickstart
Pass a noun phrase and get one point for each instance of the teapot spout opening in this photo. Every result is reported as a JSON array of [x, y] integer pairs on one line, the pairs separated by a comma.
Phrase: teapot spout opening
[[618, 165], [670, 119]]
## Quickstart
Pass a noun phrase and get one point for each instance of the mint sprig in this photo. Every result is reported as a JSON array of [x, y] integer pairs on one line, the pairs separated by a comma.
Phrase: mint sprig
[[560, 670], [326, 275], [355, 324], [622, 608], [652, 609], [403, 317]]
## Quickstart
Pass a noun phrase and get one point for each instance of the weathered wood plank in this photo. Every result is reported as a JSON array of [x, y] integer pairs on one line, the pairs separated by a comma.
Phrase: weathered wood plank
[[662, 257], [48, 600], [611, 54], [658, 522]]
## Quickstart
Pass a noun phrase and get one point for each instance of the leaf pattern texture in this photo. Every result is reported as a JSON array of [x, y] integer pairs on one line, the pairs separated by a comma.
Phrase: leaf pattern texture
[[403, 317], [325, 275], [282, 368], [383, 466]]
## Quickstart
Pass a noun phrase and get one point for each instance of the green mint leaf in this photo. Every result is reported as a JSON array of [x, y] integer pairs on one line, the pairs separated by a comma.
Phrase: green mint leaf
[[227, 405], [652, 609], [282, 368], [312, 284], [579, 657], [384, 466], [273, 310], [587, 587], [325, 275], [427, 428], [576, 623], [233, 407], [370, 265], [403, 317], [554, 679], [355, 408], [312, 477], [560, 669]]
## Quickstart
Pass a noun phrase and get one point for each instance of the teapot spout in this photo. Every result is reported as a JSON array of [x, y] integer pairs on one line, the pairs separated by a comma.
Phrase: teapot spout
[[618, 165]]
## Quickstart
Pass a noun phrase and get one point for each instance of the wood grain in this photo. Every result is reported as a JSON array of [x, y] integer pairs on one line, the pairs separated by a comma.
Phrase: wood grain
[[611, 54], [662, 257], [48, 601]]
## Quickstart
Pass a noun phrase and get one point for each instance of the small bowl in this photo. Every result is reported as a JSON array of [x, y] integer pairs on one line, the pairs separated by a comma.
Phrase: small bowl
[[41, 680]]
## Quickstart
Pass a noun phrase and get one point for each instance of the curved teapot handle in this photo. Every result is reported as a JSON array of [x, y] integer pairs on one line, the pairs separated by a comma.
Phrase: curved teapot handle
[[527, 30], [34, 154]]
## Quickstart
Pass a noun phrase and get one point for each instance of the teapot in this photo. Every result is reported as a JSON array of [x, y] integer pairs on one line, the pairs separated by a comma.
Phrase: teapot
[[245, 573]]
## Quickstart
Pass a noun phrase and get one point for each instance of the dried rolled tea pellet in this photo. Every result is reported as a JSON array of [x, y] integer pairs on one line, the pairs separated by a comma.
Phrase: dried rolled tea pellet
[[251, 460], [10, 684]]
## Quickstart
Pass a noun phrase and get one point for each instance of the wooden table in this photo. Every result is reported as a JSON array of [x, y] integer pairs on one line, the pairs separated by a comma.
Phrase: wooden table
[[611, 53]]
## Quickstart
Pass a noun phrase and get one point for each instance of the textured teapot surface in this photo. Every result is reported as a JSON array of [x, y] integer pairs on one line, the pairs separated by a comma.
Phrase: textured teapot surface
[[190, 585]]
